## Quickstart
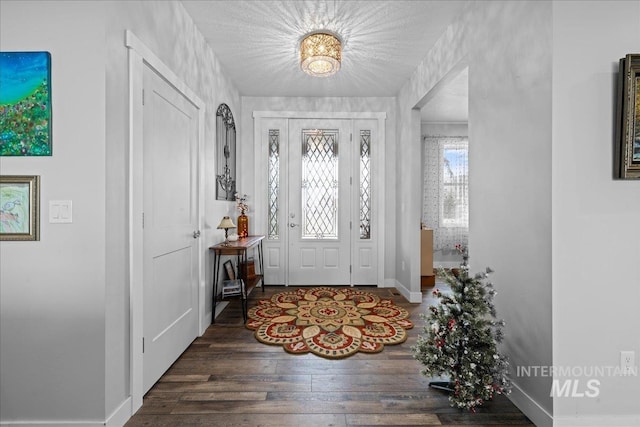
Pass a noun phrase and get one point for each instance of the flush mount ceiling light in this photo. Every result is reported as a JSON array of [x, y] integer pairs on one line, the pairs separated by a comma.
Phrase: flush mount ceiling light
[[320, 54]]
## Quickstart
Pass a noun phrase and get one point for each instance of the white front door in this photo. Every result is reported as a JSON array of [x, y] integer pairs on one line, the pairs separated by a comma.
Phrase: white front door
[[170, 186], [320, 197], [319, 194]]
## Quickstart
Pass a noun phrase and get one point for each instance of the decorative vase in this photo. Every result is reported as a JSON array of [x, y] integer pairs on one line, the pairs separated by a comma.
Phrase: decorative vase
[[243, 225]]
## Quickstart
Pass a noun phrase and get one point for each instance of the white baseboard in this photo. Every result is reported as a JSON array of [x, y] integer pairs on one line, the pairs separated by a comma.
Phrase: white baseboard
[[536, 413], [598, 421], [414, 297], [220, 305], [389, 283], [121, 415], [52, 423], [118, 418]]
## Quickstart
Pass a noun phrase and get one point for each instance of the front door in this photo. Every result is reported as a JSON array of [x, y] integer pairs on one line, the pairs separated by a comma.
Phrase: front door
[[170, 224], [319, 194]]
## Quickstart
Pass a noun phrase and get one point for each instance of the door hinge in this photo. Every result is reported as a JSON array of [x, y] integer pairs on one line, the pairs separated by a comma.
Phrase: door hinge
[[350, 269], [350, 137], [142, 96], [350, 225], [142, 344], [142, 219], [350, 180]]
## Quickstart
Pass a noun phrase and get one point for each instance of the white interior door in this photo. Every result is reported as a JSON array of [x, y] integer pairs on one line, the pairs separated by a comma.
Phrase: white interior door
[[319, 208], [170, 225]]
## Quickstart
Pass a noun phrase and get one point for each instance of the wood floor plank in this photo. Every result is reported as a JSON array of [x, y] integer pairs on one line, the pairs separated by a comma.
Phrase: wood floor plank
[[466, 418], [225, 396], [392, 420], [159, 403], [170, 377], [239, 420], [298, 407], [228, 378], [222, 367], [247, 356], [348, 366], [405, 382], [241, 383], [419, 396]]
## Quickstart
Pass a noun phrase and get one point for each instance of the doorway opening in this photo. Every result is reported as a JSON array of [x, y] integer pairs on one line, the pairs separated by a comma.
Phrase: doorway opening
[[322, 179], [444, 131], [142, 61]]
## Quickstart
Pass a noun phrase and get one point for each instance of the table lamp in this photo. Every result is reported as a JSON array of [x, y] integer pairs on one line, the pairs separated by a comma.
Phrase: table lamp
[[226, 224]]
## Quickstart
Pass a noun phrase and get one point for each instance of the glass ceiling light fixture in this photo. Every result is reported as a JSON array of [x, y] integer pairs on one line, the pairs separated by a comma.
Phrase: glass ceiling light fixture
[[320, 54]]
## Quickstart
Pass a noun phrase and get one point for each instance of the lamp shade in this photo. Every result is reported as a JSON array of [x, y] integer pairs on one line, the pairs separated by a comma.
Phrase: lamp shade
[[226, 223], [320, 54]]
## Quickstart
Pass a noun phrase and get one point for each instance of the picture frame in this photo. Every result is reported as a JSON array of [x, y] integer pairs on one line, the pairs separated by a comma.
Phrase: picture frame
[[19, 207], [627, 141], [25, 104], [228, 268], [232, 288]]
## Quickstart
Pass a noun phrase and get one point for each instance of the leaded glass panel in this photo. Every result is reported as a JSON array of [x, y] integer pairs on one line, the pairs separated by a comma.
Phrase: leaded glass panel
[[273, 183], [365, 184], [319, 184]]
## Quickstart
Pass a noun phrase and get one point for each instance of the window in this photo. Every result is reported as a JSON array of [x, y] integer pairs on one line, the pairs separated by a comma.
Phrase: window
[[365, 184], [445, 203], [274, 183], [320, 184], [454, 184]]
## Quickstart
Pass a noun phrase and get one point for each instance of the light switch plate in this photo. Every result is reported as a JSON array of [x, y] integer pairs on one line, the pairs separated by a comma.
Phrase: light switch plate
[[60, 211]]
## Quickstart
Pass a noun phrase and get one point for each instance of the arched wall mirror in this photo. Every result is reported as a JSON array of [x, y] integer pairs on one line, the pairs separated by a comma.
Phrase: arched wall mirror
[[226, 154]]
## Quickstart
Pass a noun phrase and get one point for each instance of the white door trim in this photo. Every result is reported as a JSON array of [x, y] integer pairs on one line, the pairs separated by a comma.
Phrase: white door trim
[[321, 115], [260, 164], [139, 55]]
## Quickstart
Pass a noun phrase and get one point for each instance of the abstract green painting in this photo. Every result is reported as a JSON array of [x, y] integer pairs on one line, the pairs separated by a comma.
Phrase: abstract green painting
[[25, 104]]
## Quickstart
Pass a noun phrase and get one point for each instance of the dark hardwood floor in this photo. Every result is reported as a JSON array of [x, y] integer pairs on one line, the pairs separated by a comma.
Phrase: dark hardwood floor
[[227, 378]]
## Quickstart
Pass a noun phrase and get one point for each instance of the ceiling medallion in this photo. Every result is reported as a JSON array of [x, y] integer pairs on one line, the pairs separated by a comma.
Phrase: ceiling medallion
[[320, 54]]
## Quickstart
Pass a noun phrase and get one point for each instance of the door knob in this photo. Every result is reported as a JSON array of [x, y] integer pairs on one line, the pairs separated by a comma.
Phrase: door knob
[[196, 234], [293, 225]]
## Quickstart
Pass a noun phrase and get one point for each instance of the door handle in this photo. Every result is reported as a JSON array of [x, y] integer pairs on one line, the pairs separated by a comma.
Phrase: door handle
[[292, 225], [196, 234]]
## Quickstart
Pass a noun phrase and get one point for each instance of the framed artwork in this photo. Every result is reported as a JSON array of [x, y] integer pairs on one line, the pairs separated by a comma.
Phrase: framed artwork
[[225, 154], [231, 273], [627, 144], [25, 104], [19, 207]]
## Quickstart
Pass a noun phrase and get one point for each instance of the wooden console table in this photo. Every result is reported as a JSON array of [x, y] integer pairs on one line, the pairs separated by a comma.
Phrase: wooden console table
[[238, 248]]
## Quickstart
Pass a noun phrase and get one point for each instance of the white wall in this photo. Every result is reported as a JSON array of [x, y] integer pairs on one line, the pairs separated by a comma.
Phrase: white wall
[[596, 237], [166, 29], [52, 292], [507, 46], [64, 337], [444, 129], [510, 184]]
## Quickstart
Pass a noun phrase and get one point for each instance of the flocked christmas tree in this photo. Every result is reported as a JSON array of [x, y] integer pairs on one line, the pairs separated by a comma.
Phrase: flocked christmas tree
[[461, 340]]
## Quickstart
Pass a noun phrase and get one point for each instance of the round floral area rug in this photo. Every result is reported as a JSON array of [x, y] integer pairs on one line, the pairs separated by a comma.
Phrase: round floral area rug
[[329, 322]]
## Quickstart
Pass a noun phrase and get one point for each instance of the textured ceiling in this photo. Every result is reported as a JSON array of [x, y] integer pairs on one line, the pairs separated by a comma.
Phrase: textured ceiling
[[257, 42]]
